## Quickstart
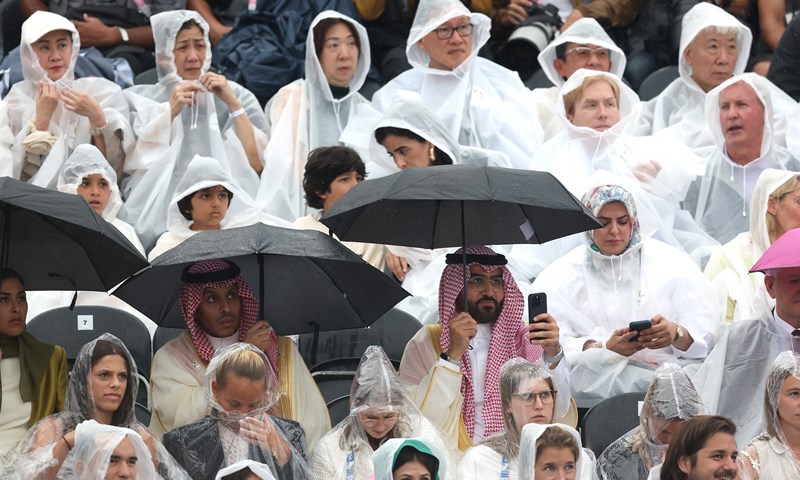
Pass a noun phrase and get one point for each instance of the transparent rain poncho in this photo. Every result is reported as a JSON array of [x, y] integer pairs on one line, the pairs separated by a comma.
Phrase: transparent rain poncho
[[244, 467], [385, 457], [225, 437], [719, 199], [498, 454], [165, 146], [95, 443], [769, 456], [305, 115], [41, 161], [584, 464], [671, 396], [377, 396], [205, 172], [34, 455], [479, 102], [87, 160], [742, 294], [593, 294]]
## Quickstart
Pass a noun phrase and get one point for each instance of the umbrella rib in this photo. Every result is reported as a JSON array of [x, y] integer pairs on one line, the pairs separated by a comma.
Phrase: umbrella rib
[[333, 281]]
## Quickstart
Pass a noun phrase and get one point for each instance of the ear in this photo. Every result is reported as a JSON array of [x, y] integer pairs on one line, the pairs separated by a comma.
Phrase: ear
[[214, 389], [772, 206], [323, 195], [769, 282], [685, 464], [421, 44], [687, 54], [570, 117], [560, 67]]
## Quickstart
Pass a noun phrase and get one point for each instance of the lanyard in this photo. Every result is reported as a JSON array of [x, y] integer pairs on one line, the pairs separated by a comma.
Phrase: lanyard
[[504, 468], [350, 471]]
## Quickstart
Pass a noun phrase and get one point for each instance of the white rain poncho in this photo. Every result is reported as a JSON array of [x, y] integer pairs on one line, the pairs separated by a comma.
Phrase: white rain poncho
[[670, 396], [165, 146], [409, 113], [583, 32], [497, 455], [480, 103], [205, 172], [385, 457], [34, 453], [305, 115], [345, 452], [577, 154], [95, 443], [719, 199], [584, 465], [67, 130], [677, 113], [769, 456], [258, 469], [592, 295], [224, 438], [742, 294]]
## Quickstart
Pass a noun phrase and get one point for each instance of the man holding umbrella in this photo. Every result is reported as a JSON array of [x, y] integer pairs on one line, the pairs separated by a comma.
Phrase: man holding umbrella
[[452, 368], [220, 309]]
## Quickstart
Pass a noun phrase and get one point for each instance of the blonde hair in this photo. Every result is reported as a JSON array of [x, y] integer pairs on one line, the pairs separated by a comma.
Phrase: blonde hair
[[243, 363], [571, 98], [786, 188], [555, 437]]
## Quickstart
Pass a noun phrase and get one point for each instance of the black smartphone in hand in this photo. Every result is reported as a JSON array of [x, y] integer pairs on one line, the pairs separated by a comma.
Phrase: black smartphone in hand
[[537, 304], [639, 326]]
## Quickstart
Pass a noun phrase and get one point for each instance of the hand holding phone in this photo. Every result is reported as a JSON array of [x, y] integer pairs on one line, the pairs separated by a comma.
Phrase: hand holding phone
[[537, 305], [639, 327]]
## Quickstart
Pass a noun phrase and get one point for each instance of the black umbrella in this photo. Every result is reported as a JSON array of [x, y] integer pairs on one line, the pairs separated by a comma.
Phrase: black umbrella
[[459, 205], [57, 242], [305, 280]]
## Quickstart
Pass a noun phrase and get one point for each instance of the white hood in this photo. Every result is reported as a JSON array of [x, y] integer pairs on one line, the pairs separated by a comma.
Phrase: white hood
[[87, 160], [166, 26], [584, 31], [35, 27]]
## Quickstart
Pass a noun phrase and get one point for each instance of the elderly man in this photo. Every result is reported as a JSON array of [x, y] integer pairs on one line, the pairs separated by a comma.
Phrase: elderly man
[[703, 449], [219, 310], [481, 103], [452, 368], [739, 117], [714, 47], [583, 45], [740, 361]]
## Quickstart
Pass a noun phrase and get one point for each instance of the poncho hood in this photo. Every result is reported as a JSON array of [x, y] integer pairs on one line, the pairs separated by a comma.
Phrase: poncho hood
[[35, 27]]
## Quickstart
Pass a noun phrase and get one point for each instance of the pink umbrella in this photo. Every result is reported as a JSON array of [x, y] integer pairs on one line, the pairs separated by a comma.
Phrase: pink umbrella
[[784, 253]]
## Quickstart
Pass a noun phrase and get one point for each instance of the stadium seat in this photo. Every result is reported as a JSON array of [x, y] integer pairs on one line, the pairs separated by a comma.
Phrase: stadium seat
[[163, 335], [610, 419], [339, 409], [656, 82]]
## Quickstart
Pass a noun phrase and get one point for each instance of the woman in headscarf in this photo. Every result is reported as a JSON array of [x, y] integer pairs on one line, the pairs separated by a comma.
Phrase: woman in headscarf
[[774, 209], [324, 109], [616, 277], [380, 410], [773, 454], [241, 387], [102, 387], [671, 399], [33, 374], [47, 115], [480, 103], [207, 198], [105, 451], [410, 458], [190, 111], [548, 449], [529, 396]]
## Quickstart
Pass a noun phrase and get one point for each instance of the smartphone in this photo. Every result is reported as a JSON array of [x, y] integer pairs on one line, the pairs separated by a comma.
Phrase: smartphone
[[537, 304], [639, 326]]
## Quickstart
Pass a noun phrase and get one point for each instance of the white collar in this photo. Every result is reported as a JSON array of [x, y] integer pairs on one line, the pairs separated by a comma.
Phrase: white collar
[[782, 324], [222, 342]]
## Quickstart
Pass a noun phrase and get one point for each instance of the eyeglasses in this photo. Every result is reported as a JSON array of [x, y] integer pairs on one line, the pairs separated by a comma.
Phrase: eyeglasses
[[585, 53], [478, 281], [464, 30], [371, 421], [529, 398]]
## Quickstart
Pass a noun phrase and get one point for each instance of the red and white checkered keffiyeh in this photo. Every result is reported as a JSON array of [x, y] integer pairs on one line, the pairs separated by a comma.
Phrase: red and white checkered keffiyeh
[[508, 341], [191, 294]]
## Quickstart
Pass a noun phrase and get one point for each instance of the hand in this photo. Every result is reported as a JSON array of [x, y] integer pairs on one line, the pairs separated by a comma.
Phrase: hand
[[46, 103], [95, 33], [397, 265], [219, 86], [572, 18], [183, 94], [85, 105], [217, 32], [647, 171], [261, 433], [259, 335], [620, 342], [545, 333], [463, 328], [660, 335], [515, 13]]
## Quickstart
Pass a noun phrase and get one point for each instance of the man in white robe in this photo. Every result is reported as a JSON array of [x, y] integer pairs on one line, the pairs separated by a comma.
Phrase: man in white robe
[[220, 309]]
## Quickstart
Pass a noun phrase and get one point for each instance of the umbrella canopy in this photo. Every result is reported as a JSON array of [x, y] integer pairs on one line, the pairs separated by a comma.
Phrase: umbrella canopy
[[305, 280], [457, 205], [57, 242], [784, 253]]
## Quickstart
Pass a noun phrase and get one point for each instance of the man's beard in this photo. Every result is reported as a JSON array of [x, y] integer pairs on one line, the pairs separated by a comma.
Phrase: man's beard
[[485, 315]]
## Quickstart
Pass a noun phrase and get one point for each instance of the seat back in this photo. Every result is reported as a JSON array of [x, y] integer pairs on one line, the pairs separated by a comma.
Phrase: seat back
[[10, 25], [656, 82], [334, 384], [339, 409], [610, 419], [163, 335]]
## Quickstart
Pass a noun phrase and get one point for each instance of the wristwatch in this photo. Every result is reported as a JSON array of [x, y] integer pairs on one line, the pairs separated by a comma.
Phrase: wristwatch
[[556, 358], [444, 356], [678, 333], [124, 34], [97, 131]]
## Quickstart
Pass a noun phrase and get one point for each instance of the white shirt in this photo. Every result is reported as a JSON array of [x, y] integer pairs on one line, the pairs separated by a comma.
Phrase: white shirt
[[478, 357], [223, 342]]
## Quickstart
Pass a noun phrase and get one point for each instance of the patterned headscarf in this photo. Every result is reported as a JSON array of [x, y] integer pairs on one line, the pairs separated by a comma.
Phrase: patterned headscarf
[[191, 295], [508, 340], [597, 197]]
